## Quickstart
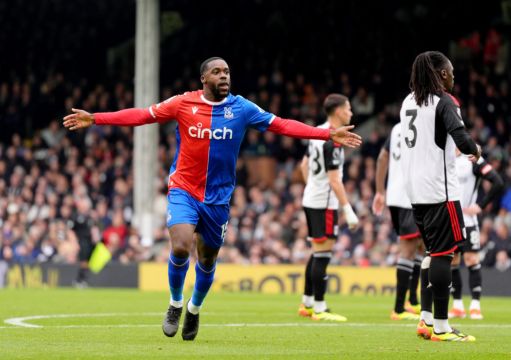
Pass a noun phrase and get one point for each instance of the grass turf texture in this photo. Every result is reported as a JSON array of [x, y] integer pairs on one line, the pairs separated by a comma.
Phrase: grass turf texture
[[126, 324]]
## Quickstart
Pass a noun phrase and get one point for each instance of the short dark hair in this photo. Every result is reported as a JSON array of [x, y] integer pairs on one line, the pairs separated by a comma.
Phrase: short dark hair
[[425, 80], [333, 101], [204, 65]]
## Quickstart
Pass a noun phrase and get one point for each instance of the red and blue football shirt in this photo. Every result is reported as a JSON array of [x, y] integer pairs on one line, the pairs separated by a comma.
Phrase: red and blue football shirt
[[209, 136]]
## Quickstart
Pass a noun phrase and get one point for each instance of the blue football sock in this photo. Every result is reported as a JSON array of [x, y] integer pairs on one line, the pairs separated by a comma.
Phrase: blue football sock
[[204, 276], [177, 273]]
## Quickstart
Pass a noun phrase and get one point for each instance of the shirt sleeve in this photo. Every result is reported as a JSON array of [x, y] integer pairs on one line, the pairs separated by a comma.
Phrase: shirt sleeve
[[166, 110], [126, 117], [484, 170], [257, 118], [449, 113], [464, 142], [298, 129], [332, 155]]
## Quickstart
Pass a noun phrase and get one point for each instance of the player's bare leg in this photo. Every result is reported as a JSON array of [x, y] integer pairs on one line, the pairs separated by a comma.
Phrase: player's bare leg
[[181, 238], [204, 274]]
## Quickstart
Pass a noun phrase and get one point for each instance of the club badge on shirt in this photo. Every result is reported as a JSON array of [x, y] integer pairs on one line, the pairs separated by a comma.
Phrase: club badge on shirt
[[228, 114]]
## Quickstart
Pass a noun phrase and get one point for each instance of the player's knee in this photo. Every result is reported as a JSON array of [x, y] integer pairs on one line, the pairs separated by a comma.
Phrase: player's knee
[[321, 246], [181, 243], [207, 260], [426, 262], [407, 252], [456, 260], [471, 258], [180, 252], [181, 247]]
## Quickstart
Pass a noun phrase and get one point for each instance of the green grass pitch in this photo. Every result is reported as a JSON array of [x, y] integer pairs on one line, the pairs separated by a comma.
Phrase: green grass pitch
[[126, 324]]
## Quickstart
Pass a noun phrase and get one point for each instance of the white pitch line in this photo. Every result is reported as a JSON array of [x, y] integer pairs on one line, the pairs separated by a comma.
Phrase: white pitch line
[[247, 325], [22, 322]]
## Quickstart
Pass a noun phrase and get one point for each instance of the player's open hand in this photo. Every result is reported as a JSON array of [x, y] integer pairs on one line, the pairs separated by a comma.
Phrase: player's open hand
[[80, 119], [472, 210], [343, 136], [378, 202]]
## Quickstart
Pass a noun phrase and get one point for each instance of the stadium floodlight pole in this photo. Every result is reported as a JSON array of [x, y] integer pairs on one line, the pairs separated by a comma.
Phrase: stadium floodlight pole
[[147, 70]]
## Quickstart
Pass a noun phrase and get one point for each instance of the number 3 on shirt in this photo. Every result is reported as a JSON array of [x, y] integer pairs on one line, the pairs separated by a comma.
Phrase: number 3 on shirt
[[411, 142]]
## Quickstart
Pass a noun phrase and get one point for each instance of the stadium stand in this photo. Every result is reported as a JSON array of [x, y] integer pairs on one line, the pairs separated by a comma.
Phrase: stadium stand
[[44, 169]]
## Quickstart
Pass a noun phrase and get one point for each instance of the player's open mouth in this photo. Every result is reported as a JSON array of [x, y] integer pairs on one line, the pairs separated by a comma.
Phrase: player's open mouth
[[223, 86]]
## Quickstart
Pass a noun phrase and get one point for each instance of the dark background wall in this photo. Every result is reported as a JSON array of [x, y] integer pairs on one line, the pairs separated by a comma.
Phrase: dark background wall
[[319, 39]]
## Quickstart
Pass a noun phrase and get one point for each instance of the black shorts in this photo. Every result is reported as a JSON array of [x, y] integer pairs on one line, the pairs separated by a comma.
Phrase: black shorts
[[473, 243], [86, 248], [441, 226], [322, 223], [404, 222]]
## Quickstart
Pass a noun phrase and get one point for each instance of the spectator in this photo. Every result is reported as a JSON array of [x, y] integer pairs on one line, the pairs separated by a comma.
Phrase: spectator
[[503, 263]]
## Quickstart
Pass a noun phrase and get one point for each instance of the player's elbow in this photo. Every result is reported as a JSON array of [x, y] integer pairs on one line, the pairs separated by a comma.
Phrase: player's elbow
[[334, 181]]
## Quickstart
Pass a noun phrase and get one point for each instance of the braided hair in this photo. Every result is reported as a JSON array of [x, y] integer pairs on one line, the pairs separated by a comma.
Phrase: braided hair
[[426, 80]]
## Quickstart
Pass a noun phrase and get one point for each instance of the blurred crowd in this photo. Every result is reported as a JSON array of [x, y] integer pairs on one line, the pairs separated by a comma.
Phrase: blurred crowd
[[51, 179]]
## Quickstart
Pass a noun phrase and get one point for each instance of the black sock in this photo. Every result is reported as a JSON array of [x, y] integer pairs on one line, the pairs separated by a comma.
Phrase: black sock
[[457, 284], [83, 274], [426, 293], [404, 270], [319, 277], [440, 279], [414, 281], [475, 281], [308, 291]]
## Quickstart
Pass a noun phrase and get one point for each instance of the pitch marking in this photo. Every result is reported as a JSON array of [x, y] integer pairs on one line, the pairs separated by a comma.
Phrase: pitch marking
[[25, 322]]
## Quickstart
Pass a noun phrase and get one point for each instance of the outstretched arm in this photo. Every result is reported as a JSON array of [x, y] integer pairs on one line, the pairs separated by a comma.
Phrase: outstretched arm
[[81, 119], [300, 130]]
